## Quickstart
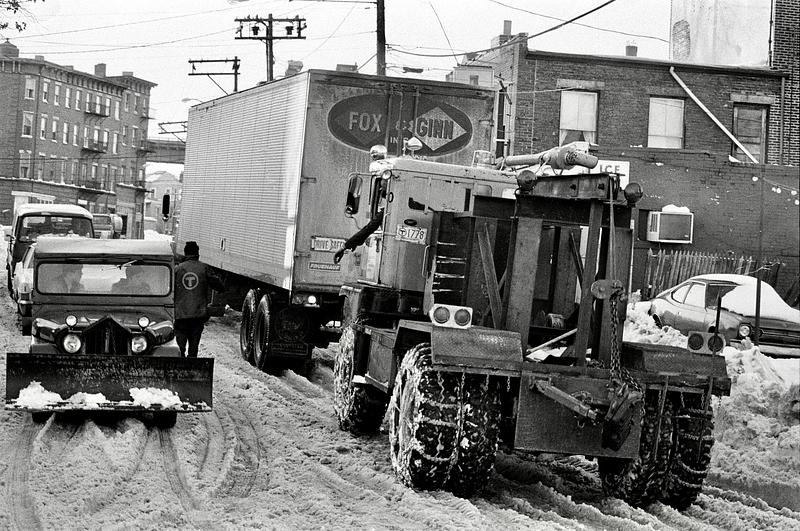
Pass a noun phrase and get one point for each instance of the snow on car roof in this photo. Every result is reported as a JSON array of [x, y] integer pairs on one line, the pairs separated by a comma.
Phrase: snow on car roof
[[57, 209], [742, 299], [92, 246]]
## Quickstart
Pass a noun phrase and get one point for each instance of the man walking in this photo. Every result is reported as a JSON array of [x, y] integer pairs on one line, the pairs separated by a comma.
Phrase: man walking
[[192, 280]]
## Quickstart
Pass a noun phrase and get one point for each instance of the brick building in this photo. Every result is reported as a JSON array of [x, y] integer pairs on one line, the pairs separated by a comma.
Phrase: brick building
[[668, 121], [73, 137]]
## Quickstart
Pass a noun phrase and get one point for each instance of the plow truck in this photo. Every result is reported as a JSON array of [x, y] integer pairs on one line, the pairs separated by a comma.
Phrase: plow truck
[[262, 169], [471, 276], [102, 338]]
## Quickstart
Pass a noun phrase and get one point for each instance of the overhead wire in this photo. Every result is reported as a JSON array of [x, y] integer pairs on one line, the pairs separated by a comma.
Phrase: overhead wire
[[443, 31], [514, 42]]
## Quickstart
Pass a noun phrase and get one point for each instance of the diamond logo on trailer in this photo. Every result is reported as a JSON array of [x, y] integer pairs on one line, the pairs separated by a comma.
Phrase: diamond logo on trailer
[[436, 129], [364, 121]]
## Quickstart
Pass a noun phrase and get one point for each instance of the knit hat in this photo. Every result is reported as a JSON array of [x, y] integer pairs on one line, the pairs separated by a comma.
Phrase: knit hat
[[191, 249]]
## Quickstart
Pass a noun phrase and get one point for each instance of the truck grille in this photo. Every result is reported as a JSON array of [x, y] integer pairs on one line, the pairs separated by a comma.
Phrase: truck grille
[[106, 336], [776, 336]]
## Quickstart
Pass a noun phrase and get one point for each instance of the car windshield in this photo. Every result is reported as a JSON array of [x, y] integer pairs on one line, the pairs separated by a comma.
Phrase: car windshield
[[31, 227], [130, 278]]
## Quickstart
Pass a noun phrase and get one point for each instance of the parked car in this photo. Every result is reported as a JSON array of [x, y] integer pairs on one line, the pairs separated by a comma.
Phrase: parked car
[[692, 306], [107, 226], [21, 287]]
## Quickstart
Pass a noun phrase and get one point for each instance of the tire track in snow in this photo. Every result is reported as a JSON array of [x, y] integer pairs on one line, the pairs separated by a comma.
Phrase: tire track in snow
[[220, 442], [117, 489], [242, 464], [22, 504], [173, 470]]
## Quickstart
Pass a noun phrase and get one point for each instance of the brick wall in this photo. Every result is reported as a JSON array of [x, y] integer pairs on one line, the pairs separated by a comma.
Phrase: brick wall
[[786, 57], [11, 87], [624, 87], [726, 202]]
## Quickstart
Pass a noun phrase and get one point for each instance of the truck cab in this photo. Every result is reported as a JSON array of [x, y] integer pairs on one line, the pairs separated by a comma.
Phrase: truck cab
[[39, 219]]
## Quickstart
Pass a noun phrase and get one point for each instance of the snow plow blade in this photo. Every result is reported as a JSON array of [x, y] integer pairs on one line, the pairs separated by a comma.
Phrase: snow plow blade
[[113, 377]]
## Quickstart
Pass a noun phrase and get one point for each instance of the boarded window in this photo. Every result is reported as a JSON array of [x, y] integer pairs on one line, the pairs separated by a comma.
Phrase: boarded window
[[665, 129], [750, 128]]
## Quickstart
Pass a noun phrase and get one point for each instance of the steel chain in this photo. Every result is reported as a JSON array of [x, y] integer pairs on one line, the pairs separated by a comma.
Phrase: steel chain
[[617, 370]]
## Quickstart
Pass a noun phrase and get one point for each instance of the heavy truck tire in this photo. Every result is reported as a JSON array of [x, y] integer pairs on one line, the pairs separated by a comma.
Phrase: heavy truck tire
[[442, 433], [359, 409], [247, 326], [262, 335], [693, 440], [640, 481]]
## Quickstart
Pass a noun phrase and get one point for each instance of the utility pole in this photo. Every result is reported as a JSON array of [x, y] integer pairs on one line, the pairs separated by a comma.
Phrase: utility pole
[[380, 57], [250, 28], [234, 72]]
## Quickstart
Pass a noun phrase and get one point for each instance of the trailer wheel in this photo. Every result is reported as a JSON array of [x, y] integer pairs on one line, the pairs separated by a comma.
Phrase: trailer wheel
[[247, 326], [359, 409], [262, 334], [694, 438], [442, 432], [639, 481]]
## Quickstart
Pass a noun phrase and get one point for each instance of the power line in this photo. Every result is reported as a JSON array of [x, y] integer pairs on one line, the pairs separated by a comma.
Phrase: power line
[[134, 46], [329, 36], [580, 24], [443, 31], [514, 42]]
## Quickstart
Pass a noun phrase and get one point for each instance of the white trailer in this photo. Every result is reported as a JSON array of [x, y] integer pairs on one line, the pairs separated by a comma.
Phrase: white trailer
[[266, 170]]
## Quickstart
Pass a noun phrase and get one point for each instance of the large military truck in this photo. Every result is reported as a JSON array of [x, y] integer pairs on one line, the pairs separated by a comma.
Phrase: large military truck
[[447, 325], [262, 167]]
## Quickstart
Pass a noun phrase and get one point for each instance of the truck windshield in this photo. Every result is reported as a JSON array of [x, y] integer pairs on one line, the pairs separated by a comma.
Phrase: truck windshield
[[31, 227], [129, 278]]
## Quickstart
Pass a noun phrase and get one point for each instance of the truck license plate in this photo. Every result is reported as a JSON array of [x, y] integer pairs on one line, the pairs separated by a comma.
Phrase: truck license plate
[[411, 234]]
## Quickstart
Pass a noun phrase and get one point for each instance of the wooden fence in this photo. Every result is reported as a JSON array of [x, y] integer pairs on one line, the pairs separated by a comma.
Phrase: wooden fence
[[664, 270]]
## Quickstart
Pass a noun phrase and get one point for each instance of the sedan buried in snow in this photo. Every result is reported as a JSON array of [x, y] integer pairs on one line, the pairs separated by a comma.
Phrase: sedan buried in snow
[[692, 306]]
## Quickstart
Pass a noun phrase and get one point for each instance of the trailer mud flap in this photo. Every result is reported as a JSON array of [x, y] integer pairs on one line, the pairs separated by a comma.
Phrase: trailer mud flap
[[112, 376], [544, 425]]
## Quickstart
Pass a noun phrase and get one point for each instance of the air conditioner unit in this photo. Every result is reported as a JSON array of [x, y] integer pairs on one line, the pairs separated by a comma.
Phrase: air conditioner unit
[[670, 227]]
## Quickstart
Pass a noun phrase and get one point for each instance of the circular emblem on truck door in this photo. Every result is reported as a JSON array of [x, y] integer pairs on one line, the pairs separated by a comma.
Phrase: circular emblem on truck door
[[190, 281]]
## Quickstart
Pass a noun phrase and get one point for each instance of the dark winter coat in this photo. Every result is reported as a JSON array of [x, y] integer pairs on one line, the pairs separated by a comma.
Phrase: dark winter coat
[[192, 280]]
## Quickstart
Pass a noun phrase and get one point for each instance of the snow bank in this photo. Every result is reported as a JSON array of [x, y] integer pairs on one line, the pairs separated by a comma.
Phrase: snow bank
[[640, 328]]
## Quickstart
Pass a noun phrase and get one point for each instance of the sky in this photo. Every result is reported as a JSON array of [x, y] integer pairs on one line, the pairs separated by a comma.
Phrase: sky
[[156, 38]]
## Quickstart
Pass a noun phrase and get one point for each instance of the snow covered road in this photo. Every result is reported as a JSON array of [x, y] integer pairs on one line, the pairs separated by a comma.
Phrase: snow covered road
[[271, 456]]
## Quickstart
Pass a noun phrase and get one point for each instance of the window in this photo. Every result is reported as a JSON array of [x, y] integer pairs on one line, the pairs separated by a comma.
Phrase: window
[[696, 296], [85, 136], [43, 127], [30, 87], [104, 177], [84, 169], [116, 110], [136, 104], [107, 107], [98, 104], [88, 102], [77, 100], [75, 135], [57, 94], [124, 135], [63, 170], [105, 139], [665, 129], [680, 293], [473, 80], [51, 168], [67, 97], [750, 127], [578, 117], [144, 106], [24, 164], [65, 134], [113, 178], [45, 91], [27, 124], [74, 175], [40, 166], [96, 135], [134, 135], [54, 130], [94, 172], [127, 100], [115, 142]]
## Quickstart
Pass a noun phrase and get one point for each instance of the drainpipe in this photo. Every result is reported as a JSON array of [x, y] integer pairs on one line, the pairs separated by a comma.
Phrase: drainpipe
[[711, 115], [780, 136], [761, 217]]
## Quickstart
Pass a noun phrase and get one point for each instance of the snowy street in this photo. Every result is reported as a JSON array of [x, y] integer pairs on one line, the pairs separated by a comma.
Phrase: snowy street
[[271, 455]]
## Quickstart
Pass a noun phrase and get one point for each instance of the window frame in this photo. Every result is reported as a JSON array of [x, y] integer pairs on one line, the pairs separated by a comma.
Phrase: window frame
[[762, 145], [564, 106], [652, 136]]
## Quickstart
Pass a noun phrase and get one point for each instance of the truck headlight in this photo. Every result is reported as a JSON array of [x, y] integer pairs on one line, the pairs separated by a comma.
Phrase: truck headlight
[[450, 316], [71, 343], [144, 321], [744, 330], [138, 344], [71, 321]]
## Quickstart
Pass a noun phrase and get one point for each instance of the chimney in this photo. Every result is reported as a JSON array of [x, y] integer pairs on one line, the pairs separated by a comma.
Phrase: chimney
[[506, 27], [505, 36], [631, 49], [346, 68], [100, 70], [126, 73], [39, 57]]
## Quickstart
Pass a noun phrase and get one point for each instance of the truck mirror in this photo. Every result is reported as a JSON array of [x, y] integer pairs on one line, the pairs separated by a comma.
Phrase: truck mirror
[[353, 195], [165, 207]]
